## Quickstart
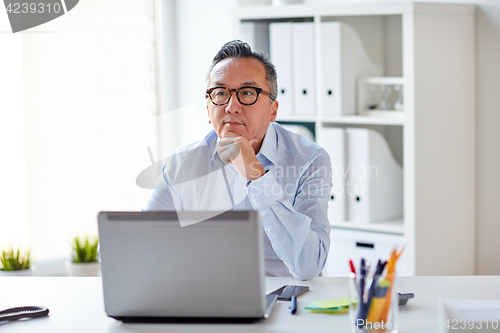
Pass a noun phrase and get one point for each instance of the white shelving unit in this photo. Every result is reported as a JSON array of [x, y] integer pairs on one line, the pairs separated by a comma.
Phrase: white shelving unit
[[394, 226], [432, 47], [377, 82]]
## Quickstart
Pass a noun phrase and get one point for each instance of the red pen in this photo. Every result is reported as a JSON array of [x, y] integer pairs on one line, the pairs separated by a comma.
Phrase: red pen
[[353, 270]]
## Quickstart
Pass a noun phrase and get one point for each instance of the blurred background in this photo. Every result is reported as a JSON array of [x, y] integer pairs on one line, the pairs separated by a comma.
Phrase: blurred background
[[83, 97]]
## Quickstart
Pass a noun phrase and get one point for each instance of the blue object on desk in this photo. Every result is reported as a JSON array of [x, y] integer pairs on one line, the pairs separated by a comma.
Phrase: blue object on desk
[[293, 306], [365, 306], [362, 272]]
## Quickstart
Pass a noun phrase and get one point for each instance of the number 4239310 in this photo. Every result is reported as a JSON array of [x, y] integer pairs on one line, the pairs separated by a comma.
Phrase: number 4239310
[[24, 8], [463, 324]]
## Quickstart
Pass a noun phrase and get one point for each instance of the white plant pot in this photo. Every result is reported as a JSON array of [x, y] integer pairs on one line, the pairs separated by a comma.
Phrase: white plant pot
[[25, 272], [83, 269]]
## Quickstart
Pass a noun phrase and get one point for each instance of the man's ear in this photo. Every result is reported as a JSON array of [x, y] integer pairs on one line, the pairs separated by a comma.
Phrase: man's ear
[[208, 114], [274, 110]]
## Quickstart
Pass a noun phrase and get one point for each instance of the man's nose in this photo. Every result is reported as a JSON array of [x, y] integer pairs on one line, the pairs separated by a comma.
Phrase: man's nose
[[234, 104]]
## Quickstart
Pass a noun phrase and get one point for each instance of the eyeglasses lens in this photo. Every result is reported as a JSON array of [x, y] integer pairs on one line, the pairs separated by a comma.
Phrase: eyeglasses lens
[[245, 95]]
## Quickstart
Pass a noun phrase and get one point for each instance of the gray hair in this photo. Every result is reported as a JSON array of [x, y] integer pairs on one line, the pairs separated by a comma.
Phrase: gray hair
[[239, 49]]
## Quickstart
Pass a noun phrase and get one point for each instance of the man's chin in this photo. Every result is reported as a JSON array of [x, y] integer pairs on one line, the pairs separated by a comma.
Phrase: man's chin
[[230, 134]]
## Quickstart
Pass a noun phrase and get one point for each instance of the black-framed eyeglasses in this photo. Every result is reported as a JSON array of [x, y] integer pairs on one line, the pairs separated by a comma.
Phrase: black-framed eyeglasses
[[246, 95]]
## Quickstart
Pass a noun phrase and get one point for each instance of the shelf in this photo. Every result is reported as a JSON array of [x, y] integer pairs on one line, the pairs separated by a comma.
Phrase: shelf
[[393, 120], [301, 11], [383, 113], [383, 80], [395, 226], [396, 120], [299, 118], [370, 87]]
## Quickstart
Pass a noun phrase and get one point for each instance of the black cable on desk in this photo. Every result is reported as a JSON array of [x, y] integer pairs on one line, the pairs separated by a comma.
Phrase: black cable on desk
[[23, 312]]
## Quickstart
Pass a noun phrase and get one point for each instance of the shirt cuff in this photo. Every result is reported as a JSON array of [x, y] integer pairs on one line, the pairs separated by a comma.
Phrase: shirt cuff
[[250, 181], [264, 191]]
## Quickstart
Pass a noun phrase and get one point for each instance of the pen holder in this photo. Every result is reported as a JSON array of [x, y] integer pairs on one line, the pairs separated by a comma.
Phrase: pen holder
[[374, 310]]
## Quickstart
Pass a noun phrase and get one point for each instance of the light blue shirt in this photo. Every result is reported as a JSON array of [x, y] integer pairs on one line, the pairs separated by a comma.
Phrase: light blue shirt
[[292, 196]]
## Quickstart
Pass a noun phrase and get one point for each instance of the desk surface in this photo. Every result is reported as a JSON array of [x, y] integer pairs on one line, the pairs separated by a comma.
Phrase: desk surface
[[76, 305]]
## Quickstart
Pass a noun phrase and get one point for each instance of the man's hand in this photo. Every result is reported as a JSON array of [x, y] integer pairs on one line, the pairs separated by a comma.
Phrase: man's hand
[[238, 151]]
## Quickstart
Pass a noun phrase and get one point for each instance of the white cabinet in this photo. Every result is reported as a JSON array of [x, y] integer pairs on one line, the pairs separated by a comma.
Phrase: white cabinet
[[353, 245], [430, 48]]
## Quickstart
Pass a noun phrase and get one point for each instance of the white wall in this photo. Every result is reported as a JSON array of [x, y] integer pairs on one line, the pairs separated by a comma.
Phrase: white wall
[[202, 28], [488, 122], [191, 33], [88, 78], [12, 162]]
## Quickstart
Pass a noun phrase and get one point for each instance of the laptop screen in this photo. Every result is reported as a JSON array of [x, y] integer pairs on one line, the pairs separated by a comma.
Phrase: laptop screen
[[182, 264]]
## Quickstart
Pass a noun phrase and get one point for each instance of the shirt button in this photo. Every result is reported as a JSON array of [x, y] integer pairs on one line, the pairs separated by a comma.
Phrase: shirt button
[[253, 196], [269, 230]]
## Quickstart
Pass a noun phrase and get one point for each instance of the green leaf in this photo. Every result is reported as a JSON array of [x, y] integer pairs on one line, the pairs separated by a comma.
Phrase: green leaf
[[84, 250], [15, 260]]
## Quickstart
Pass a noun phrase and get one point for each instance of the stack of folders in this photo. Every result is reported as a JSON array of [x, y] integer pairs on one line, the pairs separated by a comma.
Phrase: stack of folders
[[292, 52], [343, 60], [367, 180]]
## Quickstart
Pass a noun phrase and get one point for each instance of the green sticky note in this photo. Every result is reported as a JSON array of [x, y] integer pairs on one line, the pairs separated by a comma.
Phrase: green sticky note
[[314, 308], [334, 303]]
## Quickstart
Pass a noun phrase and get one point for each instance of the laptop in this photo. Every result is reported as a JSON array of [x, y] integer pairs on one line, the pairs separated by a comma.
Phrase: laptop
[[183, 266]]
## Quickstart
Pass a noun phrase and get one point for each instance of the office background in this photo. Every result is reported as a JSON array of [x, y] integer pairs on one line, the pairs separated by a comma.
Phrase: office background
[[81, 96]]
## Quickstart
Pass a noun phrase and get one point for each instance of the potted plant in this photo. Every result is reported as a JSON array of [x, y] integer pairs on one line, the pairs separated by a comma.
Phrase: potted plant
[[84, 258], [15, 262]]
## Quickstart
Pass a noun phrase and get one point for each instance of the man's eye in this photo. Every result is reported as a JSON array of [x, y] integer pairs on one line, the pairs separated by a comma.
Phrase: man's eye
[[248, 92], [221, 93]]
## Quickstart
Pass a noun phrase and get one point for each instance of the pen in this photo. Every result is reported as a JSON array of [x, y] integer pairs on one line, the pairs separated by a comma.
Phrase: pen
[[293, 306], [383, 267], [371, 290], [353, 270], [362, 271], [391, 272]]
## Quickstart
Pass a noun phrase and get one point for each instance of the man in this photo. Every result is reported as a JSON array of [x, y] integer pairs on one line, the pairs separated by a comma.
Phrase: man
[[248, 162]]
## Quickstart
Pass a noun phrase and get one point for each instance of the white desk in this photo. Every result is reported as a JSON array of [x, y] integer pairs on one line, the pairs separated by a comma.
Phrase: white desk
[[76, 305]]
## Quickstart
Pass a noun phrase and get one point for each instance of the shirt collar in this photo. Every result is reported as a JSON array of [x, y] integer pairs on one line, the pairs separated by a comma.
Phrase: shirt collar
[[268, 148], [216, 147]]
